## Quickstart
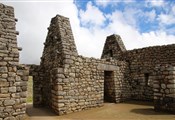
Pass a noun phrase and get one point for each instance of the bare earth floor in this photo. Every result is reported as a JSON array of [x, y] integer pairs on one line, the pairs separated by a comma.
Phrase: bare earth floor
[[110, 111]]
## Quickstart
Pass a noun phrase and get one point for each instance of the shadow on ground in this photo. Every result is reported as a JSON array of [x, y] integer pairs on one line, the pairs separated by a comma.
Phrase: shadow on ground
[[41, 111], [143, 103], [133, 110], [148, 111]]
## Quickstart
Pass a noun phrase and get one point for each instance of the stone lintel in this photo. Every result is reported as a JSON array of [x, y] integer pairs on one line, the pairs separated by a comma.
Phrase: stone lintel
[[106, 67]]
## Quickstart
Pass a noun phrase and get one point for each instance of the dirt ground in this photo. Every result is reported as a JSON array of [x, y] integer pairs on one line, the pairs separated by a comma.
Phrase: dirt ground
[[110, 111]]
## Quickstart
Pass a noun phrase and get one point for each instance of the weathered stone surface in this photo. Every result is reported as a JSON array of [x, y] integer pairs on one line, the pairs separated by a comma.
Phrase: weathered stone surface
[[107, 67], [3, 69], [9, 64], [9, 102], [10, 118], [4, 95], [4, 84], [12, 89], [68, 82]]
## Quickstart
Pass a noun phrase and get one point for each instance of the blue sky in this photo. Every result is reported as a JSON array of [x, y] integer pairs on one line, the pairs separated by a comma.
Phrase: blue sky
[[149, 15], [140, 23]]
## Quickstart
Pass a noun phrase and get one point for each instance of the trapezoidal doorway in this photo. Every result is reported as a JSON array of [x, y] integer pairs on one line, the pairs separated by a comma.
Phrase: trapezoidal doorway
[[109, 86]]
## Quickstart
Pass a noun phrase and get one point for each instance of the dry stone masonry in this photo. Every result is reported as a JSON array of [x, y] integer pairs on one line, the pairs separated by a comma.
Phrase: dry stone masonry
[[70, 82], [164, 88], [67, 82], [13, 76]]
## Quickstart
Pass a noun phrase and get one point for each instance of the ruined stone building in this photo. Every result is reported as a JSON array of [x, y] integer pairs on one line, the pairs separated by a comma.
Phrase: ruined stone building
[[67, 82]]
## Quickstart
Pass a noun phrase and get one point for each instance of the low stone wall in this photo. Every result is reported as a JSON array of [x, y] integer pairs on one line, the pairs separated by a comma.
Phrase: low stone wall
[[13, 77], [164, 88]]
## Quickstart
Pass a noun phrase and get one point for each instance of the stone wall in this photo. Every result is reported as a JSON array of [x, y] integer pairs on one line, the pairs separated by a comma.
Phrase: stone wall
[[164, 88], [113, 48], [142, 65], [13, 77], [67, 82], [81, 85], [145, 83]]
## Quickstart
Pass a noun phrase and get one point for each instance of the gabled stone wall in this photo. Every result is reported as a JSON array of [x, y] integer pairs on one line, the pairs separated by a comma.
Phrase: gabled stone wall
[[13, 77], [145, 83], [71, 82], [142, 63], [74, 83], [113, 47]]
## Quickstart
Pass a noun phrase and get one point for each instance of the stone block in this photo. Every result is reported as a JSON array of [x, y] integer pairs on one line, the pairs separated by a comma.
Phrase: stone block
[[60, 105], [12, 89], [4, 95], [11, 79], [10, 118], [163, 86], [3, 70], [171, 86], [18, 78], [4, 84], [60, 76], [60, 70], [72, 75], [9, 102], [4, 75], [20, 72], [107, 67], [8, 109], [11, 74], [4, 90], [23, 94], [156, 86], [157, 94], [3, 63]]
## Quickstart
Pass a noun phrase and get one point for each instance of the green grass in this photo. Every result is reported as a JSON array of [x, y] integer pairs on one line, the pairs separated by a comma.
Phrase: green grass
[[30, 90]]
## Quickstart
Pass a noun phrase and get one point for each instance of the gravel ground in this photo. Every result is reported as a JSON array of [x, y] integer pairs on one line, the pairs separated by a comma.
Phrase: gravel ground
[[110, 111]]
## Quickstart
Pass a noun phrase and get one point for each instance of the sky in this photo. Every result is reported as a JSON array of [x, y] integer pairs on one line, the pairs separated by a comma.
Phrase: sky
[[140, 23]]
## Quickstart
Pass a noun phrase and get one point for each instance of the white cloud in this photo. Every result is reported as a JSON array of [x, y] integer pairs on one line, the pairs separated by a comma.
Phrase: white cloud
[[132, 38], [130, 15], [103, 3], [34, 18], [167, 19], [112, 3], [173, 9], [151, 15], [92, 16], [156, 3]]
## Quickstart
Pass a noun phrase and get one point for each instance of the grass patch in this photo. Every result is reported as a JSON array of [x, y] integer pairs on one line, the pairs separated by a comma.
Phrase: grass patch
[[30, 90]]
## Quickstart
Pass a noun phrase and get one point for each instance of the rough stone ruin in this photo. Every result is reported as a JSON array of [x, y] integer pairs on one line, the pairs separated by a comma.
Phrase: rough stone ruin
[[13, 76], [66, 82]]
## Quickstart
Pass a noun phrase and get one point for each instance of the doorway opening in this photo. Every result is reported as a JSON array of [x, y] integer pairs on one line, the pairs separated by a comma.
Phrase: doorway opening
[[30, 90], [109, 86]]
